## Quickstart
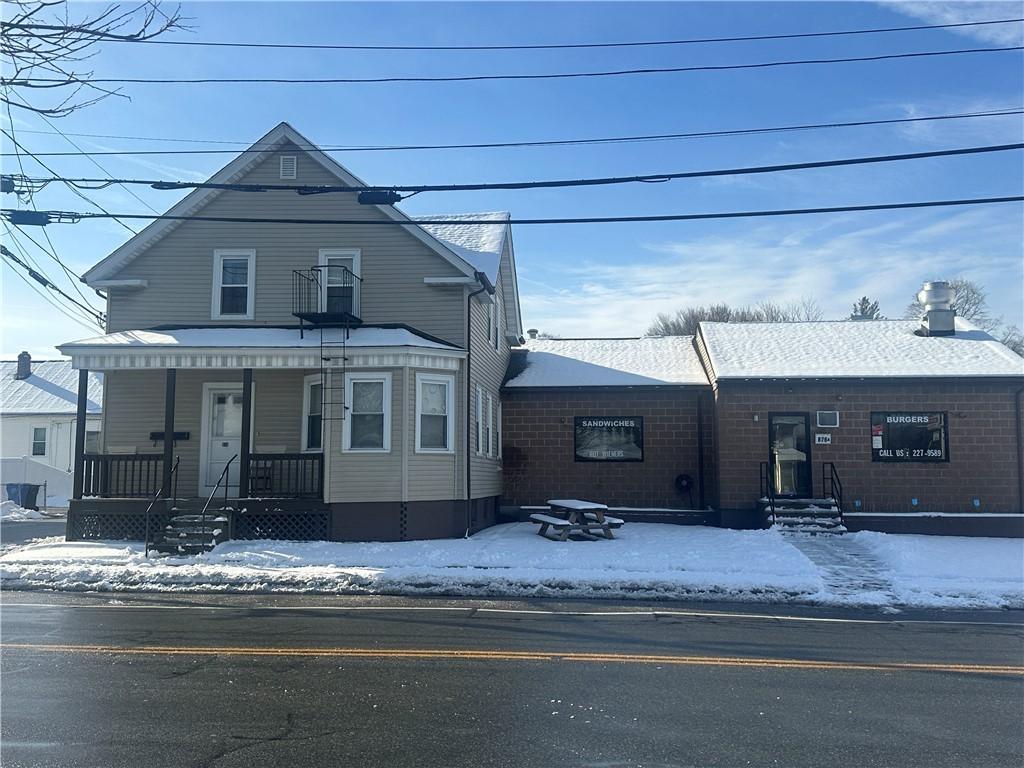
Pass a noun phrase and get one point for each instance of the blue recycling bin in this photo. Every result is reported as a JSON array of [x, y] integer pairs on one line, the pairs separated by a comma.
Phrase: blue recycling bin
[[23, 494]]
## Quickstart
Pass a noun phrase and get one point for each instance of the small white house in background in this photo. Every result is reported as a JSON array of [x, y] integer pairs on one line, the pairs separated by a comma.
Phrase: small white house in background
[[38, 400]]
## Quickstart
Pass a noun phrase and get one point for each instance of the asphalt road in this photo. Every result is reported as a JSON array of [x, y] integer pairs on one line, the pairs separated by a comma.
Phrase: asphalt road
[[101, 680], [21, 531]]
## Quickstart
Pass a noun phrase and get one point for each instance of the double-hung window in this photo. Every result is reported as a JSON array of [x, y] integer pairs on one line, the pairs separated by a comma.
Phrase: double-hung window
[[312, 414], [435, 422], [479, 421], [234, 283], [497, 322], [367, 425], [490, 426], [38, 441], [497, 427]]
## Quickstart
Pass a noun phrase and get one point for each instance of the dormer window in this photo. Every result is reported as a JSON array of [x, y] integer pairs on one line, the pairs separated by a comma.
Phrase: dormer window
[[289, 167], [234, 284]]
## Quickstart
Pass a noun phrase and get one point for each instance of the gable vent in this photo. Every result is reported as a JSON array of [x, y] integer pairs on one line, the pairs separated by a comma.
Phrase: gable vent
[[288, 167]]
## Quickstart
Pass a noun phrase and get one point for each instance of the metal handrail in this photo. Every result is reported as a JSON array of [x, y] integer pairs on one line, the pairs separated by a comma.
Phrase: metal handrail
[[767, 486], [831, 485], [159, 493], [223, 474]]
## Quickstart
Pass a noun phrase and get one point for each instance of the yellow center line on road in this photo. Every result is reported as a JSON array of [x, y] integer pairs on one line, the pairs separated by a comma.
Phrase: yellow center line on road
[[496, 655]]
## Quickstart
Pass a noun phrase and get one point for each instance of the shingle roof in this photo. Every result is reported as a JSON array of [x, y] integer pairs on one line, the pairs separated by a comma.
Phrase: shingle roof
[[52, 388], [853, 349], [648, 361], [478, 244]]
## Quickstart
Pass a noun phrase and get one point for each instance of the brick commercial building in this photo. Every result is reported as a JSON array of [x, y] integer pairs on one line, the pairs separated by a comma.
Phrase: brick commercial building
[[910, 427]]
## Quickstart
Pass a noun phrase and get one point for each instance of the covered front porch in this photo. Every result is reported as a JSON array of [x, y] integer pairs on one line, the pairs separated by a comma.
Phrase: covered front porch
[[241, 432]]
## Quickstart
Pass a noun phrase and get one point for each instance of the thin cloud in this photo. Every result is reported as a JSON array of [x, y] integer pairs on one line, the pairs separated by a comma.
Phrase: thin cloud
[[960, 12]]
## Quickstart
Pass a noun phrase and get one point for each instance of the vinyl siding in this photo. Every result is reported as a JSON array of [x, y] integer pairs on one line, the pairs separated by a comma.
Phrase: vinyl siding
[[487, 369], [137, 408], [179, 267]]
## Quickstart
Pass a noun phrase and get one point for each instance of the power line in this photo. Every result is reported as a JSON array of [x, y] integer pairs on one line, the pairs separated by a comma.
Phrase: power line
[[49, 300], [52, 251], [68, 310], [557, 46], [74, 189], [56, 82], [35, 184], [71, 217], [1005, 112], [92, 160], [47, 283]]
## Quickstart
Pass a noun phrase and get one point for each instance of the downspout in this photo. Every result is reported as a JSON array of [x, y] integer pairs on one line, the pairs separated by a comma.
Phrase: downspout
[[469, 397], [1020, 454]]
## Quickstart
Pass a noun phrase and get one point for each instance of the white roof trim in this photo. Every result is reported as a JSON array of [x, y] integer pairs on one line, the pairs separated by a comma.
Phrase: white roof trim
[[515, 281], [449, 280], [198, 198], [135, 282]]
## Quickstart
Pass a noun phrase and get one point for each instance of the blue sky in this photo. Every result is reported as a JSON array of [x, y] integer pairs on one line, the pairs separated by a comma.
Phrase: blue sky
[[596, 279]]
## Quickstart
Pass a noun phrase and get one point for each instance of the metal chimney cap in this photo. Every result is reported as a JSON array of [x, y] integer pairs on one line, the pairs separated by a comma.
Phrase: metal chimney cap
[[936, 294]]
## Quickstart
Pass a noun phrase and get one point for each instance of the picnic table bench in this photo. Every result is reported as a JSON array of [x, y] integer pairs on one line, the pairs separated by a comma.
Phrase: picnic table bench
[[575, 516]]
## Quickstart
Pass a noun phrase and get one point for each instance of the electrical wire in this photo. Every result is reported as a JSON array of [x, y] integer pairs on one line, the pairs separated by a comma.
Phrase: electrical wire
[[56, 82], [554, 46], [310, 189], [75, 217], [1005, 112]]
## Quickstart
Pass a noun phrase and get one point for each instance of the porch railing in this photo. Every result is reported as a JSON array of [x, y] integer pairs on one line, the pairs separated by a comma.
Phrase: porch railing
[[122, 476], [286, 475]]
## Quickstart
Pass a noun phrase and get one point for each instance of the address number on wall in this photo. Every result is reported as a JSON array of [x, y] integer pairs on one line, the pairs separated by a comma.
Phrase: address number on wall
[[823, 439]]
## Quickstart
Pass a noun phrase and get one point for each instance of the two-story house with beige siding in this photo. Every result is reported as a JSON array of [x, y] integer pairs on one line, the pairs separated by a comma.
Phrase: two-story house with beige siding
[[319, 380]]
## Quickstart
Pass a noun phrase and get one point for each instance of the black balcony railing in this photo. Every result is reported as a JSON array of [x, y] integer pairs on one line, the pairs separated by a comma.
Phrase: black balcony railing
[[326, 295], [286, 475], [122, 476]]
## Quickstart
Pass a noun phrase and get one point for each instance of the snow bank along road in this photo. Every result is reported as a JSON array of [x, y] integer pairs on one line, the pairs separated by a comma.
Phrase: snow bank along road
[[644, 561], [208, 680]]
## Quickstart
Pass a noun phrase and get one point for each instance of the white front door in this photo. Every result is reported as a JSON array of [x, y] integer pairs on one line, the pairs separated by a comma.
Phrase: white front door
[[222, 436]]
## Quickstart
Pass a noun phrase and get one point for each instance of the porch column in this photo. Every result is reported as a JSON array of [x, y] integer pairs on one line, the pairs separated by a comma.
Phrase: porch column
[[168, 430], [83, 400], [243, 453]]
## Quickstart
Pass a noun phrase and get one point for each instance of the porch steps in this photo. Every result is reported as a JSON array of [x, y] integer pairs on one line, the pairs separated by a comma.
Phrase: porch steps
[[815, 516], [191, 534]]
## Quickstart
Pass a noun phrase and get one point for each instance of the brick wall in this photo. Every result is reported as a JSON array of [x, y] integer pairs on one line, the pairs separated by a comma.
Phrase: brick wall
[[982, 443], [538, 446]]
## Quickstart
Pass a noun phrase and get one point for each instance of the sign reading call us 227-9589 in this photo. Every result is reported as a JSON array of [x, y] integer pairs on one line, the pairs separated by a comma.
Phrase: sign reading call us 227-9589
[[609, 438], [909, 436]]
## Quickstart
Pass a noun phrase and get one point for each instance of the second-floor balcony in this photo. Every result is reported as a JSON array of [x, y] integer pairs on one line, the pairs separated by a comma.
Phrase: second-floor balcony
[[326, 295]]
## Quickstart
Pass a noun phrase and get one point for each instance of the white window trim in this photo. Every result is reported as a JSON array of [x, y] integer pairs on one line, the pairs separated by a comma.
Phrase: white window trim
[[479, 421], [490, 322], [308, 382], [357, 269], [346, 424], [497, 322], [32, 440], [449, 382], [490, 427], [498, 426], [233, 253]]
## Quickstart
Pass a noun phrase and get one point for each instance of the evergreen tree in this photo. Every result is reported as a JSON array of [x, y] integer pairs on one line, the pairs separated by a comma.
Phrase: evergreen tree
[[866, 309]]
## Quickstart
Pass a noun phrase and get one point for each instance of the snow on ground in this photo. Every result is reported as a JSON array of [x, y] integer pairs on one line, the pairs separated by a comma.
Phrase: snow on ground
[[646, 560], [9, 511]]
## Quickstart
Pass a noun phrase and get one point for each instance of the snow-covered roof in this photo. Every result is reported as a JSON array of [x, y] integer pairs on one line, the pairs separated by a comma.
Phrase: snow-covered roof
[[263, 338], [478, 244], [853, 349], [648, 361], [52, 388]]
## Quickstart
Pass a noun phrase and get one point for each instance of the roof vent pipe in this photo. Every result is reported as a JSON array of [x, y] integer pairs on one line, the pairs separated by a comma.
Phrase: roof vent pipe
[[532, 333], [937, 296], [24, 366]]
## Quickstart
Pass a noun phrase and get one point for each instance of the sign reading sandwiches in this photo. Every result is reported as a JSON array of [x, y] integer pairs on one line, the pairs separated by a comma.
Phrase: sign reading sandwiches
[[609, 438]]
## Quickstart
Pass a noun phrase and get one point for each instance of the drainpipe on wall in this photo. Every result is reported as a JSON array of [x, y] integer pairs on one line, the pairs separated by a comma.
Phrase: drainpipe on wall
[[1020, 454], [469, 399]]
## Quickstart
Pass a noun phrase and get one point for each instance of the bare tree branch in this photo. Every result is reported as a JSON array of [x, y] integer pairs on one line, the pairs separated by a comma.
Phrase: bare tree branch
[[40, 34]]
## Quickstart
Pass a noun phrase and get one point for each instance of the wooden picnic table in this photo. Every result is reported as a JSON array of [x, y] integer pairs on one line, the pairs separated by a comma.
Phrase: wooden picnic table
[[576, 516]]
